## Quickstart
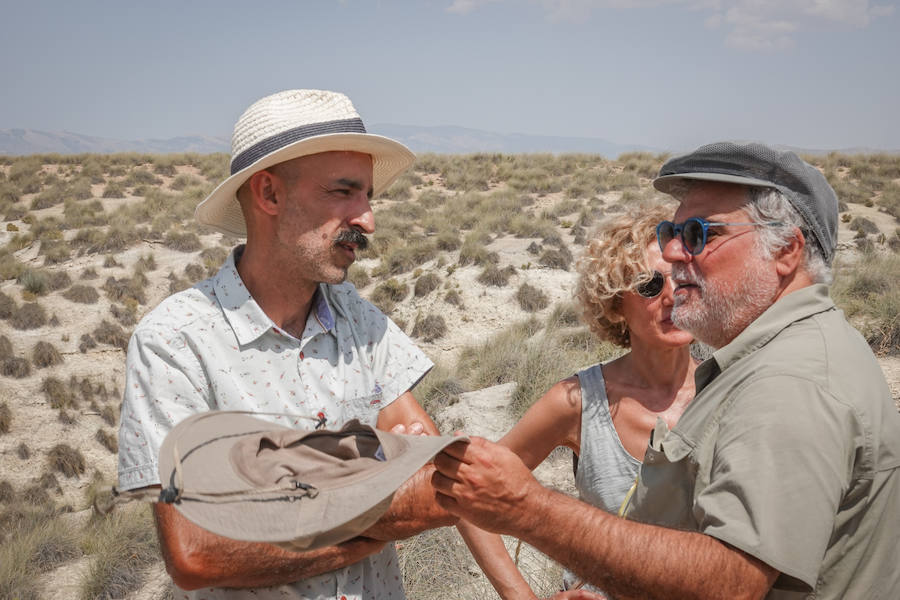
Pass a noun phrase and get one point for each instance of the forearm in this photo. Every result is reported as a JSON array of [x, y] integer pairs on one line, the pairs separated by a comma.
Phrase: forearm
[[413, 510], [491, 555], [639, 561], [196, 558]]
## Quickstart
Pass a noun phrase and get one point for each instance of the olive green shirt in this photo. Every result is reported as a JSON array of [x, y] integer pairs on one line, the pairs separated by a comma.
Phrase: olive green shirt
[[790, 451]]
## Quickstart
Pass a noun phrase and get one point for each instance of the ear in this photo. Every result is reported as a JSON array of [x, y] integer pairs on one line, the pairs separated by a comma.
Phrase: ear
[[789, 259], [266, 190]]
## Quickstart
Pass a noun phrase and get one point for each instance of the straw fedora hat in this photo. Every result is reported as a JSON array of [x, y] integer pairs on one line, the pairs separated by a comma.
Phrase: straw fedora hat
[[247, 479], [289, 125]]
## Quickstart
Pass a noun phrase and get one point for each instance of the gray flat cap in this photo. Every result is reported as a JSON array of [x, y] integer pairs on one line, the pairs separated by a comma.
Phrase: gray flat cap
[[757, 165]]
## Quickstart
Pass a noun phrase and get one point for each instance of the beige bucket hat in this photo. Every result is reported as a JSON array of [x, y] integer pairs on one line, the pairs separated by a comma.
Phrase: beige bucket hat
[[288, 125], [247, 479]]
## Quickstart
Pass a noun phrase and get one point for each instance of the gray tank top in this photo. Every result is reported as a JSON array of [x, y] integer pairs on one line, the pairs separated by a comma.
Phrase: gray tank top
[[605, 470]]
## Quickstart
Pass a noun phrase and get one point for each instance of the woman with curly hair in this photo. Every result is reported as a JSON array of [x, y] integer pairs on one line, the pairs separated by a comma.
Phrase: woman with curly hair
[[605, 413]]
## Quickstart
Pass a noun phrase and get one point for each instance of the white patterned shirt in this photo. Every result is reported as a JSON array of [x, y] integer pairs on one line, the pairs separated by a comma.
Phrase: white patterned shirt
[[212, 347]]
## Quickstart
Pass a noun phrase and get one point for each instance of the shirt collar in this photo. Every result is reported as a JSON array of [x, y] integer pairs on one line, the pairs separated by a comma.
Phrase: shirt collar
[[796, 306], [248, 320]]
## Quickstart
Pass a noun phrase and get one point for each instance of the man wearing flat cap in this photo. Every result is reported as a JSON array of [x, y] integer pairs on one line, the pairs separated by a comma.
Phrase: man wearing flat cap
[[781, 478], [276, 332]]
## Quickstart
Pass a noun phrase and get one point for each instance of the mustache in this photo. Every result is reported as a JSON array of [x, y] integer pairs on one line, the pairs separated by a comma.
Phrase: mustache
[[352, 236], [684, 272]]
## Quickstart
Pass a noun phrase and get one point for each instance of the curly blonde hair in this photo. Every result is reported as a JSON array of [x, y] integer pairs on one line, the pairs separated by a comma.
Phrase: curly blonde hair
[[614, 262]]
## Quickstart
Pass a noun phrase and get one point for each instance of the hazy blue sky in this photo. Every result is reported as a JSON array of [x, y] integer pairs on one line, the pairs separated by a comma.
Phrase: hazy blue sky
[[665, 73]]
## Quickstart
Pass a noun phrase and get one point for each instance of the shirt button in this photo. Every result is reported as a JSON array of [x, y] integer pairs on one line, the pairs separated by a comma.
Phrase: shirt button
[[301, 355]]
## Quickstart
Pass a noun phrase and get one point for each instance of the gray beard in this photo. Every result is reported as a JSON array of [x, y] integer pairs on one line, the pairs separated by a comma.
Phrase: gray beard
[[723, 310]]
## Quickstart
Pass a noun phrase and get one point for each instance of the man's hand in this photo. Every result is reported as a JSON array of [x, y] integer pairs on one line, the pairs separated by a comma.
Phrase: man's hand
[[488, 485], [415, 428]]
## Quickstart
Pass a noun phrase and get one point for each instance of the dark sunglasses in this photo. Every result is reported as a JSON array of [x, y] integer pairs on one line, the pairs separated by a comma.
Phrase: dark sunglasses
[[693, 232], [652, 288]]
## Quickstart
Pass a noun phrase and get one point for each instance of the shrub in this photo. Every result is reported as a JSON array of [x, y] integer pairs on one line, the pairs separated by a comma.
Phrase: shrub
[[83, 294], [430, 328], [121, 290], [531, 299], [493, 276], [89, 273], [358, 276], [5, 418], [7, 493], [426, 284], [6, 348], [556, 258], [58, 393], [122, 545], [30, 315], [213, 258], [863, 225], [23, 451], [108, 414], [126, 315], [44, 354], [453, 297], [58, 280], [107, 440], [112, 334], [86, 343], [110, 262], [186, 241], [7, 306], [194, 273], [15, 367], [388, 293], [34, 281], [474, 253], [66, 418], [114, 189], [869, 292], [66, 460]]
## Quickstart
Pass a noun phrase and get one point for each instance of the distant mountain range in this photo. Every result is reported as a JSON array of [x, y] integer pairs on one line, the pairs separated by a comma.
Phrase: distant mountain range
[[442, 139]]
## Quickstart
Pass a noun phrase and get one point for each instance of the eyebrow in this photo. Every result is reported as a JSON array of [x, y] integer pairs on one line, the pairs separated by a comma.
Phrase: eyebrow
[[354, 184]]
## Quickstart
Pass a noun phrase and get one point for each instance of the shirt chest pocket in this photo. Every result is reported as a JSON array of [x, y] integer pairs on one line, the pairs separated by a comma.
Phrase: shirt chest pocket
[[664, 492], [364, 407]]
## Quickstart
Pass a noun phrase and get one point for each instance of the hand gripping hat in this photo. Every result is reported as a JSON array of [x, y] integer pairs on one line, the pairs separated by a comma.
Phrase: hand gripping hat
[[247, 479], [757, 165], [289, 125]]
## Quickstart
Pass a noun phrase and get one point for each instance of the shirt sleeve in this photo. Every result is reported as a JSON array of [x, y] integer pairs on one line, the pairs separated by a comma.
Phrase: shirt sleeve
[[784, 454], [399, 363], [164, 384]]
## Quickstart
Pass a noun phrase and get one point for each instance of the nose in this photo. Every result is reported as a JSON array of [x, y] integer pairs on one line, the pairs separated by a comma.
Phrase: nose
[[674, 251], [363, 218], [668, 292]]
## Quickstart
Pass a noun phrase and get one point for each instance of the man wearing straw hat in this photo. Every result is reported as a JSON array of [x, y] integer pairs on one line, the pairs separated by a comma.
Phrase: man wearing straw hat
[[278, 333], [782, 477]]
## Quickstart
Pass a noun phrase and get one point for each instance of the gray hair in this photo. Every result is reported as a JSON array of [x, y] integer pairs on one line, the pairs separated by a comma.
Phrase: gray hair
[[768, 204]]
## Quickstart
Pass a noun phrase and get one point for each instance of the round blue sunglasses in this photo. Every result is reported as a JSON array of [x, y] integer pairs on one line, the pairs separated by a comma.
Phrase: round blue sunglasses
[[693, 232]]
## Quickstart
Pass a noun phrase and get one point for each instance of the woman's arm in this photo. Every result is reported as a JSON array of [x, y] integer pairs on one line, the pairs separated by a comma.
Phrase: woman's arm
[[554, 420]]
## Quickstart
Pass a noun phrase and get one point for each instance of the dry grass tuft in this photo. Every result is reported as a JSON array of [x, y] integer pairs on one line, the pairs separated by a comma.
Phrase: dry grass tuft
[[67, 460], [45, 354], [107, 440], [452, 297], [358, 276], [58, 394], [426, 284], [7, 306], [5, 418], [531, 299], [493, 276], [430, 328], [86, 342], [122, 545], [6, 348], [30, 315], [556, 258], [112, 334], [83, 294], [388, 293], [23, 451], [15, 367]]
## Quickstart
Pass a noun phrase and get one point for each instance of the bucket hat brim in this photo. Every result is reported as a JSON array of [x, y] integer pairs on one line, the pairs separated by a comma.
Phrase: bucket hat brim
[[205, 458]]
